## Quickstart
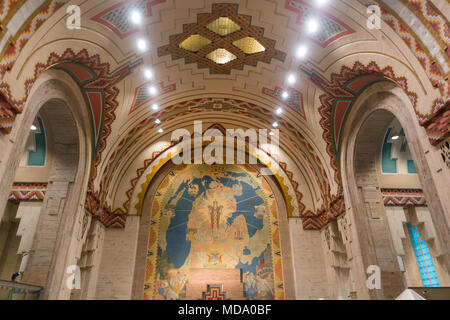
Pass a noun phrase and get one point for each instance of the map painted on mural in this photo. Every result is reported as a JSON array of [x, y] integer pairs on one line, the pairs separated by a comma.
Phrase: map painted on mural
[[214, 217]]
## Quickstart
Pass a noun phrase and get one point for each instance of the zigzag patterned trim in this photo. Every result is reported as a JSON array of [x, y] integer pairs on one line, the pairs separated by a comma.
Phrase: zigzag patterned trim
[[28, 192], [403, 197]]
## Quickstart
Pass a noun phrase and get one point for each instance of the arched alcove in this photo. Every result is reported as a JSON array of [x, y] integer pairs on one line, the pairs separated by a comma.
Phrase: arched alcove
[[58, 100], [374, 232]]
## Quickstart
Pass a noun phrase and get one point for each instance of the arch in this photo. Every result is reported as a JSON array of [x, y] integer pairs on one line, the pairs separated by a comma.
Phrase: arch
[[378, 104], [67, 116]]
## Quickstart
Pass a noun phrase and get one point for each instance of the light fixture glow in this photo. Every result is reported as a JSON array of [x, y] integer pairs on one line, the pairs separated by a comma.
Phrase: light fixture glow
[[155, 106], [157, 121], [395, 137], [153, 90], [142, 44], [275, 124], [271, 133], [285, 95], [148, 74], [302, 51], [160, 130], [136, 17], [33, 127], [321, 2], [313, 25], [279, 111], [292, 78]]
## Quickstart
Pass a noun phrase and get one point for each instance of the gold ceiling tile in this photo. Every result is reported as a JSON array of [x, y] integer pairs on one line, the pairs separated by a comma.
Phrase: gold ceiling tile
[[223, 26], [195, 43], [221, 56], [249, 45]]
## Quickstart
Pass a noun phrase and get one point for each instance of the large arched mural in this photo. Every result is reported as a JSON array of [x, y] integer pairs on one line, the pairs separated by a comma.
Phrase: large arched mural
[[214, 220]]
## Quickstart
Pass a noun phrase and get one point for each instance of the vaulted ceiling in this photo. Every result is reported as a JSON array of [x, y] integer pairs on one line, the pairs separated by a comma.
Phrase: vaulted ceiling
[[240, 63]]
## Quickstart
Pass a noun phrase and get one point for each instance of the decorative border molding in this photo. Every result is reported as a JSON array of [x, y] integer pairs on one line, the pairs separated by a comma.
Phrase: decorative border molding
[[403, 198], [28, 192]]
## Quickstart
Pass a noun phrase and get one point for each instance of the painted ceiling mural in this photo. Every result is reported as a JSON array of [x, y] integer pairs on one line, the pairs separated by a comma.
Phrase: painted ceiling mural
[[241, 50], [213, 217]]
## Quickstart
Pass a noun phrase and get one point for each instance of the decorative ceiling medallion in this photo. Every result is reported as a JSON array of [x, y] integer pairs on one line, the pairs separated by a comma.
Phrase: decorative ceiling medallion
[[116, 18], [222, 41], [249, 45], [330, 27], [223, 26], [194, 43], [221, 56]]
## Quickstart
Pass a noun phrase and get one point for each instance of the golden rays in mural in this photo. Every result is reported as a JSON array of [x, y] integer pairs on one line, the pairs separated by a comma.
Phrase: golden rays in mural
[[195, 43], [249, 45], [223, 26], [221, 56]]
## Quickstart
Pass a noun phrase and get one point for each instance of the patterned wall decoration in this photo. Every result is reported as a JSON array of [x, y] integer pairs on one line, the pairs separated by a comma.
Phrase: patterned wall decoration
[[117, 17], [151, 163], [330, 28], [10, 55], [294, 101], [221, 41], [403, 197], [236, 106], [438, 77], [400, 147], [37, 156], [143, 96], [28, 192], [214, 217]]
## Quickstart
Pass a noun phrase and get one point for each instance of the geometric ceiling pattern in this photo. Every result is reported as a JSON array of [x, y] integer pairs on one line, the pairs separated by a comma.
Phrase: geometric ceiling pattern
[[330, 28], [294, 101], [142, 94], [222, 41], [116, 18]]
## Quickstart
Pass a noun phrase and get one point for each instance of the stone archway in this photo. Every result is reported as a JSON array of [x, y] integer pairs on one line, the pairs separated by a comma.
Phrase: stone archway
[[377, 106]]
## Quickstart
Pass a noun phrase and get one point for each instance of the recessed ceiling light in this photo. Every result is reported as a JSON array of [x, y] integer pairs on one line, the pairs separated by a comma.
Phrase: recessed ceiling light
[[302, 51], [275, 124], [160, 130], [279, 111], [292, 78], [148, 74], [136, 17], [153, 90], [157, 121], [33, 127], [313, 25], [285, 95], [142, 44], [155, 106]]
